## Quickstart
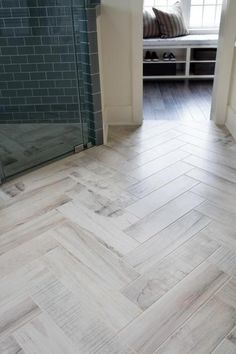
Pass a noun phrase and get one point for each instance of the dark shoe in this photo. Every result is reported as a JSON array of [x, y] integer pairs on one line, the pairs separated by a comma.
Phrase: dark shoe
[[172, 57], [166, 56], [148, 56], [155, 56]]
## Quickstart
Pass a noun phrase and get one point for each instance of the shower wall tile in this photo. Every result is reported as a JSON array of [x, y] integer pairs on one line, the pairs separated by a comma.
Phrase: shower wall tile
[[39, 63]]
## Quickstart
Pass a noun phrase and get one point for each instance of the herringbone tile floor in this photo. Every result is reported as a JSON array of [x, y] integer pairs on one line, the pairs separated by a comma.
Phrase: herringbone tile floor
[[128, 248]]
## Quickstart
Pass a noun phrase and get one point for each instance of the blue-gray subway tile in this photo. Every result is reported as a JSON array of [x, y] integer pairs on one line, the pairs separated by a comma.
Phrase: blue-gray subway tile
[[8, 50], [20, 59], [31, 84]]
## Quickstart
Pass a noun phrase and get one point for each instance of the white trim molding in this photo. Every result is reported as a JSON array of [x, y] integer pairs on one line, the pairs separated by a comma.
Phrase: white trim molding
[[137, 61], [224, 63], [231, 121]]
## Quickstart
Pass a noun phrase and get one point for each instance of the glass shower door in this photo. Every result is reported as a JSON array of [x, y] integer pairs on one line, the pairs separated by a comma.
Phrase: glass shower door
[[40, 92]]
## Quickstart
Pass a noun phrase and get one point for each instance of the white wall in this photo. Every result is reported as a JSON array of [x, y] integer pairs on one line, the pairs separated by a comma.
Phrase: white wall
[[225, 70], [232, 97], [231, 108], [120, 49]]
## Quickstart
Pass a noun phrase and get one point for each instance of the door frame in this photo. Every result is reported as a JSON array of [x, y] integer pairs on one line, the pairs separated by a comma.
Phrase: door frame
[[137, 60], [224, 63]]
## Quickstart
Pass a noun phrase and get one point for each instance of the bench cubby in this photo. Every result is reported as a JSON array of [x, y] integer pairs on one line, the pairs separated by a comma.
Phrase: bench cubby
[[195, 57]]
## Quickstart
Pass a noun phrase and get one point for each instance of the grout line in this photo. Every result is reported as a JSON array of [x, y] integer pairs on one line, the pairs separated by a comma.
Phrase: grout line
[[172, 289], [169, 254], [190, 211], [198, 310], [225, 338]]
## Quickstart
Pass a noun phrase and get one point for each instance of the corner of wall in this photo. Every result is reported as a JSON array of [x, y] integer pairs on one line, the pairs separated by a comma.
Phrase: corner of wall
[[231, 121], [224, 63], [120, 52]]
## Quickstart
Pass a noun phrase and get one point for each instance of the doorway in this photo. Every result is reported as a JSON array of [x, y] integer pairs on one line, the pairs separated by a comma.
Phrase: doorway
[[178, 71], [177, 100]]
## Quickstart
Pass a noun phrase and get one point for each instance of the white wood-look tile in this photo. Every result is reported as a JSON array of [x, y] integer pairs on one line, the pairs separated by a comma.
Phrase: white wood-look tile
[[149, 253], [102, 300], [132, 134], [158, 322], [208, 129], [115, 347], [225, 172], [29, 230], [159, 179], [72, 314], [157, 151], [128, 248], [225, 259], [55, 189], [203, 332], [111, 210], [168, 272], [109, 183], [41, 335], [25, 253], [158, 164], [224, 235], [84, 246], [10, 346], [217, 145], [227, 293], [213, 181], [225, 347], [223, 216], [152, 142], [40, 203], [161, 196], [217, 197], [161, 218], [226, 158], [18, 283], [34, 181], [112, 158], [232, 336], [16, 313], [106, 232]]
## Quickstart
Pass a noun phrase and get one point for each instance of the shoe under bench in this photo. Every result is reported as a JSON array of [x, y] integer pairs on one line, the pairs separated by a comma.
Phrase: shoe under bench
[[195, 57]]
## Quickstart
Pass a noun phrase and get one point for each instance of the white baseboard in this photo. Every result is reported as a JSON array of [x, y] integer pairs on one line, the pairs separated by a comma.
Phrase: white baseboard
[[105, 132], [125, 123], [118, 115], [231, 121]]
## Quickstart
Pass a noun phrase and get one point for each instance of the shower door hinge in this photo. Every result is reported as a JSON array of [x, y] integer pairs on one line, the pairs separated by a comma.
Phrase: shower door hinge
[[81, 147], [78, 148], [89, 145]]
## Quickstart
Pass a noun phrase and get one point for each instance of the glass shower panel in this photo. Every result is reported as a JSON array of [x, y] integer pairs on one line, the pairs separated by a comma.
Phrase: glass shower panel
[[40, 91]]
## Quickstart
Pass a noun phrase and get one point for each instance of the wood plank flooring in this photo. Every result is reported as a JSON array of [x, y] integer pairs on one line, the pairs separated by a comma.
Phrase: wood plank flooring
[[125, 248], [177, 100]]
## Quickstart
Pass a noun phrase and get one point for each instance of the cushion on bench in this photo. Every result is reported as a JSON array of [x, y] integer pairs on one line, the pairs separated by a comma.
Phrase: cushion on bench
[[189, 40], [150, 24], [171, 22]]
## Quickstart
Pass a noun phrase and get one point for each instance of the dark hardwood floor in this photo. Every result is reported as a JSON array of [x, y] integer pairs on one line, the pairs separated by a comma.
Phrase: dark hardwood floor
[[177, 100]]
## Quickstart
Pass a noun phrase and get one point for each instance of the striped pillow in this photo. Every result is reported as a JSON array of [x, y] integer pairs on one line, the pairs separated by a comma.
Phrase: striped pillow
[[171, 22], [150, 24]]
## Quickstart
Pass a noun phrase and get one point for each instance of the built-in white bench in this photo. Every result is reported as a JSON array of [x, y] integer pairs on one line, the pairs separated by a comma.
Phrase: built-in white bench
[[194, 53]]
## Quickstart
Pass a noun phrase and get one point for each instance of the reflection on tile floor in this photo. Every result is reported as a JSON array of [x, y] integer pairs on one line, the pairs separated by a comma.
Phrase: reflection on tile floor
[[25, 145]]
